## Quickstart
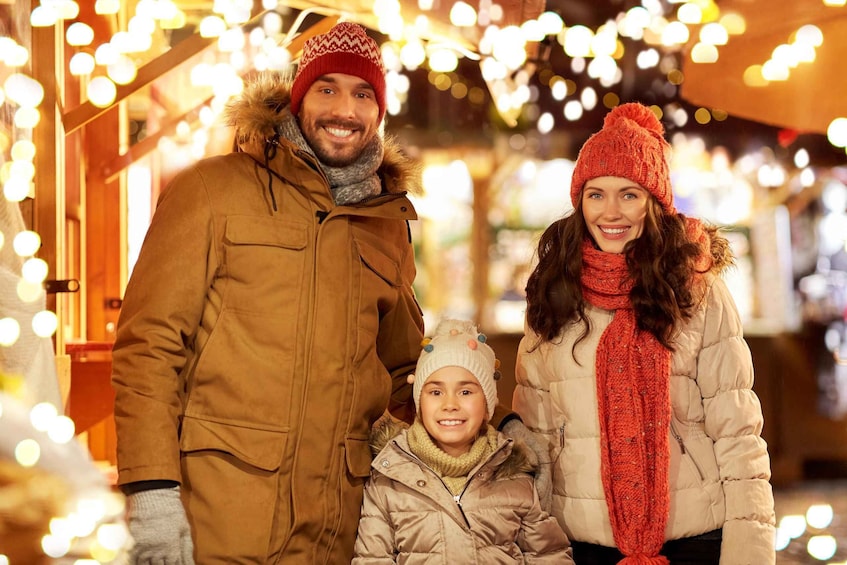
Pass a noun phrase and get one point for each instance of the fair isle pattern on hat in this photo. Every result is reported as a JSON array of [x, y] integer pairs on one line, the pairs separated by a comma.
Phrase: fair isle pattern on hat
[[346, 49], [458, 343], [630, 145]]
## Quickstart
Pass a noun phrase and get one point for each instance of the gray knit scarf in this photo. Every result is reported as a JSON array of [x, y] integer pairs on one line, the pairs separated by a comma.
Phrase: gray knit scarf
[[349, 184]]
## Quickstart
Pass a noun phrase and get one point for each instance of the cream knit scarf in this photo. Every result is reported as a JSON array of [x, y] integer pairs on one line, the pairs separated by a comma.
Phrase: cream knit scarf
[[349, 184], [452, 470]]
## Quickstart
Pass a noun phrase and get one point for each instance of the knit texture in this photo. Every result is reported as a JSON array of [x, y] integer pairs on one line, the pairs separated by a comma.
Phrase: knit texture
[[633, 405], [452, 470], [458, 343], [349, 184], [631, 145], [346, 49]]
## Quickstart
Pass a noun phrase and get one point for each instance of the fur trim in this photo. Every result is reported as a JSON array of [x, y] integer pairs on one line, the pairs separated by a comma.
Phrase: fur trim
[[256, 113], [722, 257]]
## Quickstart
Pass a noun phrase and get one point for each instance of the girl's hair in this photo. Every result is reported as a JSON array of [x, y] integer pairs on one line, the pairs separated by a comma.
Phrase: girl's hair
[[661, 261]]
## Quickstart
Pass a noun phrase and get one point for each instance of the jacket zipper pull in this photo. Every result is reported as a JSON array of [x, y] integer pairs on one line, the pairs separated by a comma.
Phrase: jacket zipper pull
[[562, 435]]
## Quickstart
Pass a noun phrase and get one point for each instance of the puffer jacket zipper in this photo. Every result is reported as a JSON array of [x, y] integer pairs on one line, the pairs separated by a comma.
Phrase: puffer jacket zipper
[[456, 497], [684, 451]]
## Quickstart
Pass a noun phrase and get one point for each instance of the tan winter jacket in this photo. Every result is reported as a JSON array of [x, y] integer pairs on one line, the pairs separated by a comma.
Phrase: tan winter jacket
[[256, 347], [719, 464], [410, 517]]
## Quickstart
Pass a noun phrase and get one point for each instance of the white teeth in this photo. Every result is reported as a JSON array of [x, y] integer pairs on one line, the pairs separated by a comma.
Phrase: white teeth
[[340, 132], [450, 422], [614, 231]]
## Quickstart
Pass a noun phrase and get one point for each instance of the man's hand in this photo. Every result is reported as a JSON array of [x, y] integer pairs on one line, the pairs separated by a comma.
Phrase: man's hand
[[158, 524], [516, 430]]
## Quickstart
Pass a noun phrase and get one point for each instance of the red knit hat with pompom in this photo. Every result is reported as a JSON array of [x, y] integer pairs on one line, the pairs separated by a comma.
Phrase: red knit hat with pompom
[[630, 145], [346, 49]]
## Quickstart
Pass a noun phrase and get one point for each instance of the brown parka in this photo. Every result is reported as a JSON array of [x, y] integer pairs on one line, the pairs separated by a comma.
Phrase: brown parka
[[260, 337]]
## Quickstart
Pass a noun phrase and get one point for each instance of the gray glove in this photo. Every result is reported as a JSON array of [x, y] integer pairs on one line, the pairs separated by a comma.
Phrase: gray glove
[[158, 524], [516, 430]]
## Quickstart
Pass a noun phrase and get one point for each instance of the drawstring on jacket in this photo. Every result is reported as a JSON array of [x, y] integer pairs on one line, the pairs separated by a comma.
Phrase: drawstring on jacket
[[270, 153]]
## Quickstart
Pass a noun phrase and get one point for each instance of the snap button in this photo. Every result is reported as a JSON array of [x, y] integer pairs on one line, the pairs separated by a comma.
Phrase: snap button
[[421, 483], [384, 463]]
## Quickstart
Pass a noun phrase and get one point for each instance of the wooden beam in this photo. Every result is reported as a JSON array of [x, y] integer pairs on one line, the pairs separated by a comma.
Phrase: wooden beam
[[111, 169], [85, 112]]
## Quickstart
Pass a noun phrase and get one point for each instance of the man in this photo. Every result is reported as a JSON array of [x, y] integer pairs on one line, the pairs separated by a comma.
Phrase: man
[[269, 313]]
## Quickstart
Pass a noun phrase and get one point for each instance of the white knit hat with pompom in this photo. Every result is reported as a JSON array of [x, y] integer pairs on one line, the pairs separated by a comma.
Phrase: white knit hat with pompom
[[458, 343]]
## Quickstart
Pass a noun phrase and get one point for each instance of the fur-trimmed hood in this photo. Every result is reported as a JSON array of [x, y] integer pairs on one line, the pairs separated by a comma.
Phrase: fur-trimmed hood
[[257, 113], [519, 459], [720, 251]]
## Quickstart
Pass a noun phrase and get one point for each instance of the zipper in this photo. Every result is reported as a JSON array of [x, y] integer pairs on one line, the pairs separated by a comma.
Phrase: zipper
[[562, 436], [457, 498], [683, 451]]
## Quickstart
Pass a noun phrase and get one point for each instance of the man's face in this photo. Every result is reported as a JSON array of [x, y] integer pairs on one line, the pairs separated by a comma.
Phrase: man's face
[[338, 117]]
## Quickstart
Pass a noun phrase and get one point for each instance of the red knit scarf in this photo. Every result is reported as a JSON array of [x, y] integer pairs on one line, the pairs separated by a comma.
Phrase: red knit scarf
[[633, 403]]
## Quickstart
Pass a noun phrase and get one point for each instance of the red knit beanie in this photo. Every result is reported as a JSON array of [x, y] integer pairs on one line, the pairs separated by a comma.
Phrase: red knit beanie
[[630, 145], [346, 49]]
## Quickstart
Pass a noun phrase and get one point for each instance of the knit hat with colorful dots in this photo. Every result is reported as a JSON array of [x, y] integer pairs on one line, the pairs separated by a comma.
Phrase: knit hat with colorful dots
[[346, 49], [458, 343], [630, 145]]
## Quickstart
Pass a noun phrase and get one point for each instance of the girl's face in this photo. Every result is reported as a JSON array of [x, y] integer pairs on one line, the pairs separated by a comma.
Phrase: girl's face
[[453, 409], [614, 209]]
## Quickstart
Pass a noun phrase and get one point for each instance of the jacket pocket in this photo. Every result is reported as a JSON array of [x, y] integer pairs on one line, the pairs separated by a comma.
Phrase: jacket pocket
[[257, 447], [358, 454], [258, 230], [381, 264]]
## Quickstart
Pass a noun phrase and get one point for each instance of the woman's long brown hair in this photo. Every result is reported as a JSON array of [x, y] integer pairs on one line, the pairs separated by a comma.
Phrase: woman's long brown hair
[[661, 262]]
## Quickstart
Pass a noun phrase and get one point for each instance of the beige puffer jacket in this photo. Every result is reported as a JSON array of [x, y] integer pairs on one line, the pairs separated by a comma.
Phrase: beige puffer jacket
[[719, 464], [409, 516]]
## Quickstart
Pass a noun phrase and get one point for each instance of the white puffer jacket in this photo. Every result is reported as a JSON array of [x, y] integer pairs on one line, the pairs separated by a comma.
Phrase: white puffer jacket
[[719, 465]]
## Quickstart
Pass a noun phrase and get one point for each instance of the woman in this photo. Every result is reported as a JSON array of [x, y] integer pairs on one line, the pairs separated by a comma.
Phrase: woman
[[635, 368]]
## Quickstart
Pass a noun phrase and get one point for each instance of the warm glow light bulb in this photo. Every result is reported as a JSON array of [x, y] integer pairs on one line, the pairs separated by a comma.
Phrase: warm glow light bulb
[[793, 524], [27, 117], [462, 14], [105, 7], [79, 33], [819, 515], [23, 90], [68, 9], [443, 60], [704, 53], [34, 270], [10, 331], [212, 26], [836, 132], [27, 452], [43, 16], [16, 189], [81, 64], [23, 150], [122, 71], [42, 415], [101, 91], [578, 41], [26, 243], [16, 56], [29, 292], [44, 323], [822, 547], [106, 54], [62, 429]]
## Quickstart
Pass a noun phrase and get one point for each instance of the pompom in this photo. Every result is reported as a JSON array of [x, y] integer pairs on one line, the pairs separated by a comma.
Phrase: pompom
[[638, 113]]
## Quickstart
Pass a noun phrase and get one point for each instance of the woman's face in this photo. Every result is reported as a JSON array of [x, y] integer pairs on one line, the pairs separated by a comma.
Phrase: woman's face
[[614, 209]]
